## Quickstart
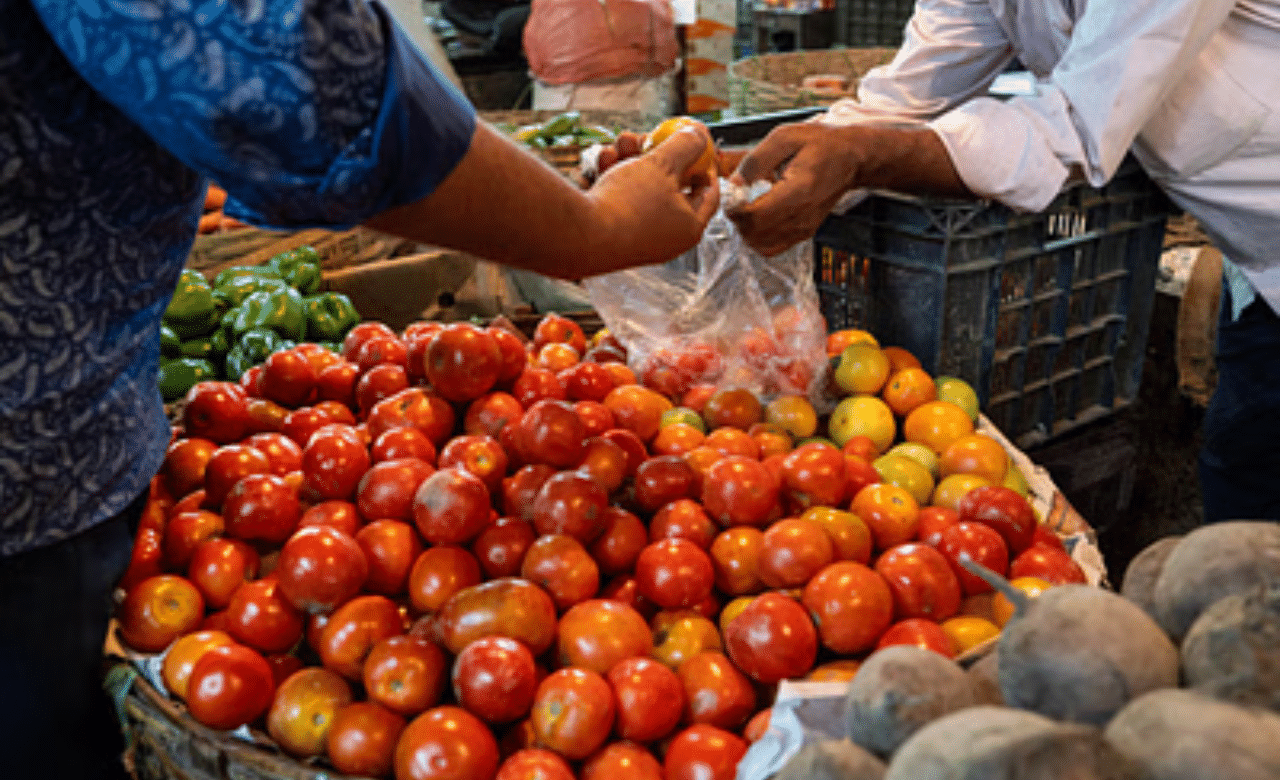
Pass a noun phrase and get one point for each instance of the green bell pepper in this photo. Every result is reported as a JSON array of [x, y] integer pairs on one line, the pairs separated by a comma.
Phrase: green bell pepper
[[236, 287], [252, 347], [170, 344], [264, 271], [192, 311], [280, 310], [299, 267], [329, 316], [178, 376], [211, 347]]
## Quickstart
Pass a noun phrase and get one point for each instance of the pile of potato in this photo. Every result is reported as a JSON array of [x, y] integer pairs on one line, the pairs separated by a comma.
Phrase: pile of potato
[[1176, 677]]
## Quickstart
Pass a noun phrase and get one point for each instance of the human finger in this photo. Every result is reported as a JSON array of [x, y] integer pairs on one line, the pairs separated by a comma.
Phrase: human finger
[[780, 145], [681, 150], [628, 144]]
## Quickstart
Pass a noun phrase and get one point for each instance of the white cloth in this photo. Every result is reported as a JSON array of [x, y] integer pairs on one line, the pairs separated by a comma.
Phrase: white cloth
[[1188, 85]]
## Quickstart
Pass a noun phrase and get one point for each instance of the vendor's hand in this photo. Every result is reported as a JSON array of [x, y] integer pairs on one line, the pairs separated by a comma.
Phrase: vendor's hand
[[811, 165], [654, 206]]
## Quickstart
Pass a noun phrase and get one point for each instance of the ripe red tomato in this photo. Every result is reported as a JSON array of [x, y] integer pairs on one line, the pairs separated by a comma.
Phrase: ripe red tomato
[[302, 710], [408, 407], [227, 465], [260, 616], [921, 580], [587, 381], [184, 464], [534, 764], [378, 383], [551, 432], [794, 550], [334, 460], [299, 424], [288, 378], [740, 491], [495, 678], [339, 514], [320, 568], [463, 362], [715, 691], [570, 503], [387, 489], [538, 384], [563, 567], [403, 443], [452, 506], [337, 382], [182, 655], [932, 521], [230, 685], [1051, 564], [573, 712], [510, 606], [814, 475], [621, 761], [362, 739], [352, 631], [362, 332], [382, 350], [446, 743], [772, 639], [662, 479], [390, 548], [981, 543], [284, 454], [184, 532], [683, 518], [851, 605], [703, 752], [511, 348], [491, 412], [674, 573], [262, 507], [556, 328], [158, 610], [1003, 509], [521, 489], [406, 674], [219, 566], [439, 572], [597, 634], [479, 454], [217, 411], [919, 632], [146, 559], [616, 549], [735, 557], [651, 699], [501, 546]]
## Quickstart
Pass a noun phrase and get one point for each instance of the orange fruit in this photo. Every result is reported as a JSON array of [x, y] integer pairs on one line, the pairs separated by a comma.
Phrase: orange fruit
[[975, 453], [840, 670], [557, 355], [936, 424], [951, 489], [862, 368], [900, 358], [850, 536], [889, 511], [676, 439], [638, 409], [793, 414], [772, 439], [1002, 608], [906, 473], [958, 392], [665, 129], [733, 441], [734, 406], [839, 339], [863, 415], [907, 388], [968, 631]]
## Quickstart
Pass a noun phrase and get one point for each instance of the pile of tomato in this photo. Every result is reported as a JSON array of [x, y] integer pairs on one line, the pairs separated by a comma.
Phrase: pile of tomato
[[451, 552]]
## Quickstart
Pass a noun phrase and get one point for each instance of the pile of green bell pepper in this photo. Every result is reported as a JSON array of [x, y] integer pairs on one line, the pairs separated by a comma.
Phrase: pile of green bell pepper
[[220, 329]]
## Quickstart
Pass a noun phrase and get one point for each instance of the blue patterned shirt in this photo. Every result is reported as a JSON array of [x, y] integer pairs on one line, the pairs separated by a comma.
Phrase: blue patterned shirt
[[113, 115]]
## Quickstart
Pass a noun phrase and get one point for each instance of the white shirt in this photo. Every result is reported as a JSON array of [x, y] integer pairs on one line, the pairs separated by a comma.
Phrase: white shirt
[[1192, 87]]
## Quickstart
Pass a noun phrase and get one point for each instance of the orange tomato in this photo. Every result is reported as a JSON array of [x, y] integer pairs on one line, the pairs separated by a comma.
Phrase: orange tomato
[[889, 511], [735, 406], [968, 631], [638, 409], [937, 424], [907, 388], [977, 454], [1002, 608], [183, 654], [838, 340], [676, 439], [733, 441], [900, 358], [793, 414]]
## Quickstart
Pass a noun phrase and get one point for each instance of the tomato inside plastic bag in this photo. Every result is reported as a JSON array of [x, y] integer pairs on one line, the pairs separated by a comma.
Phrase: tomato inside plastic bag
[[720, 314]]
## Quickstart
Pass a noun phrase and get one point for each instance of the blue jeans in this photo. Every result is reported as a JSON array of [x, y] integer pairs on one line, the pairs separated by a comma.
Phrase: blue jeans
[[56, 720], [1240, 456]]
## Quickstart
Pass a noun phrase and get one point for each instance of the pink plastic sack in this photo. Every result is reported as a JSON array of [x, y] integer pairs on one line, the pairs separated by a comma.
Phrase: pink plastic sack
[[576, 41]]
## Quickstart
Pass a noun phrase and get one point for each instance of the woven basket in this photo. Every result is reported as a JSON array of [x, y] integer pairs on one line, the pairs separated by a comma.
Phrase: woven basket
[[168, 744], [772, 82], [253, 246]]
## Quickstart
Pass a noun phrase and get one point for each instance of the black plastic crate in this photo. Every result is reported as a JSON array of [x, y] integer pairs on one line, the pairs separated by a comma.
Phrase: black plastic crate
[[1045, 314], [872, 22]]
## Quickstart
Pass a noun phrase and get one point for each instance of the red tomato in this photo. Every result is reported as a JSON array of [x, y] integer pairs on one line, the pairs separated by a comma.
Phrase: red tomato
[[621, 761], [1003, 509], [439, 572], [501, 546], [794, 550], [605, 462], [535, 764], [382, 350], [146, 558], [740, 491], [618, 546], [446, 743], [521, 489], [219, 566], [562, 566], [509, 606], [596, 417], [735, 557], [362, 332], [683, 518], [814, 475], [772, 639], [851, 605], [260, 616], [387, 489], [352, 631], [320, 568], [184, 532], [674, 573], [337, 382], [158, 610], [184, 464], [288, 378], [182, 655], [981, 543], [228, 464], [597, 634], [479, 454], [284, 454], [662, 479], [651, 699], [632, 444], [302, 710], [362, 739], [703, 752], [1050, 564], [715, 691], [556, 328], [495, 678], [551, 432], [511, 347], [463, 362], [217, 411], [339, 514], [405, 674], [230, 685], [858, 473], [333, 462], [573, 712], [921, 580], [492, 412], [403, 443], [538, 384], [409, 407], [587, 381], [570, 503], [932, 521], [452, 506], [378, 383], [1048, 537], [390, 548], [299, 424], [921, 633], [263, 508]]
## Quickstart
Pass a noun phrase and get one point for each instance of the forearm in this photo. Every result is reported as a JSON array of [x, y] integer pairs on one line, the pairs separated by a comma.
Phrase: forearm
[[910, 160], [548, 225]]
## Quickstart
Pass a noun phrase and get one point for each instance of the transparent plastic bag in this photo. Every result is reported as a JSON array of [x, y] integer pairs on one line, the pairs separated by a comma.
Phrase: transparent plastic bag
[[720, 314], [578, 41]]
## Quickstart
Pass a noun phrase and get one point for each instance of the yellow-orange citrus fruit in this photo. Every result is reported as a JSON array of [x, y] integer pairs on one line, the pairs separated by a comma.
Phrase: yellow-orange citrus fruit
[[936, 424], [951, 489], [862, 368], [863, 415], [900, 358], [1002, 608], [665, 129], [975, 453], [967, 631]]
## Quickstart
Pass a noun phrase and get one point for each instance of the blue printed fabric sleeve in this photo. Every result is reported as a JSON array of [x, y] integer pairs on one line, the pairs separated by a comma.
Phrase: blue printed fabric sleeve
[[309, 112]]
